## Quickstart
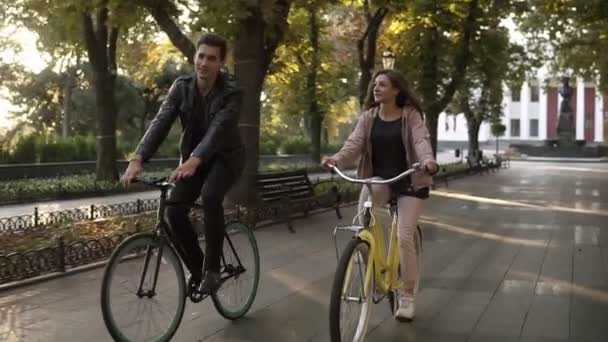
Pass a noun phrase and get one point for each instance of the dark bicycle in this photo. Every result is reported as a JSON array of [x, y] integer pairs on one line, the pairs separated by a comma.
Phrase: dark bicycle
[[144, 290]]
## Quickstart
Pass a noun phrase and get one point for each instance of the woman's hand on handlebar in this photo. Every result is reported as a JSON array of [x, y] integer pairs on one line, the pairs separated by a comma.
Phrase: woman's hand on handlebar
[[430, 166], [327, 163]]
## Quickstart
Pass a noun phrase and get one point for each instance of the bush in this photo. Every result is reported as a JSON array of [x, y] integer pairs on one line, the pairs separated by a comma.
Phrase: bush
[[61, 187], [269, 144], [25, 150], [296, 145], [34, 148], [76, 148], [331, 148]]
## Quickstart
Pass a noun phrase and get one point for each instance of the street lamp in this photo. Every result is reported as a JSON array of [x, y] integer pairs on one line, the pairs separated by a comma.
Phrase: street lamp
[[388, 59]]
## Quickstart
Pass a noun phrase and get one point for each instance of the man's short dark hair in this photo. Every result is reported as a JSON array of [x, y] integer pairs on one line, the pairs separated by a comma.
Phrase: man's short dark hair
[[213, 39]]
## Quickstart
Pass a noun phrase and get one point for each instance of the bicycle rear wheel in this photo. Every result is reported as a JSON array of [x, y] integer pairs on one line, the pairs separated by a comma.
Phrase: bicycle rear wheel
[[240, 272], [143, 292], [352, 293]]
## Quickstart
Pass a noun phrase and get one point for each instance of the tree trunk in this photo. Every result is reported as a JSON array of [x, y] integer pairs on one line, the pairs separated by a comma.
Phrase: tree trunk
[[67, 95], [256, 42], [101, 49], [253, 52], [316, 119], [473, 131], [432, 104], [428, 87], [106, 127], [175, 34], [367, 58], [431, 124]]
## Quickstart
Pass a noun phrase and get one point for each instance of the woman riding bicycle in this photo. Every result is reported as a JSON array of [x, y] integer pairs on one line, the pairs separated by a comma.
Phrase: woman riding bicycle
[[390, 136]]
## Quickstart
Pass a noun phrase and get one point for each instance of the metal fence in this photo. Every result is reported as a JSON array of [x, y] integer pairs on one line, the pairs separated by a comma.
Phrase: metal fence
[[61, 255], [36, 221]]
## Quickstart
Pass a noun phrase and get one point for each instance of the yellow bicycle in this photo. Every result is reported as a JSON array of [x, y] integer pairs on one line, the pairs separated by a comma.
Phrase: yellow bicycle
[[365, 273]]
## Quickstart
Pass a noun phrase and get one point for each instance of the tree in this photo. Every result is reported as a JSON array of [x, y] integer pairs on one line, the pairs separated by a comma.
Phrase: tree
[[100, 40], [257, 29], [431, 40], [498, 130], [573, 34], [316, 116], [67, 28], [296, 104], [480, 94], [366, 45]]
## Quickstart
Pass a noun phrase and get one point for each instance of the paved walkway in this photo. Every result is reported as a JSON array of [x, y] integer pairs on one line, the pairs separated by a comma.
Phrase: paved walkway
[[520, 255]]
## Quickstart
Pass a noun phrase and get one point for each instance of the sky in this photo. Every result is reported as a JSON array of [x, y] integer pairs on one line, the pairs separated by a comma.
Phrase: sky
[[29, 56]]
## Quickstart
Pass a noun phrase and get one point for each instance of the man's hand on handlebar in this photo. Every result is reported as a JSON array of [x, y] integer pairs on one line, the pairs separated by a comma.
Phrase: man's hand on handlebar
[[133, 170]]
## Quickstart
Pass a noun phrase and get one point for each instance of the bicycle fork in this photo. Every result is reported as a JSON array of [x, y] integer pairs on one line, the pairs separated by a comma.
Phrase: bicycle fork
[[149, 255]]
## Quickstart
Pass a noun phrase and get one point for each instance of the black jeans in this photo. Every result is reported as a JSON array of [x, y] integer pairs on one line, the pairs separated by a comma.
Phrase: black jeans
[[211, 182]]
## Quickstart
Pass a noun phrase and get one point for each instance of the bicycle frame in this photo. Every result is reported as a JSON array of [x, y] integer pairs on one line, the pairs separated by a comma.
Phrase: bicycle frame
[[385, 267], [161, 234]]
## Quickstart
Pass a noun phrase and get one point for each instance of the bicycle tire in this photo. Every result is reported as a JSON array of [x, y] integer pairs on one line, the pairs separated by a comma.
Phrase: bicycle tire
[[130, 252], [336, 300], [239, 239]]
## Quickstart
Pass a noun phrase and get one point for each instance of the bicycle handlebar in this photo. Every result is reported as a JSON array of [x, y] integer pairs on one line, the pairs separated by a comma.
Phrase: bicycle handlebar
[[415, 167], [157, 183]]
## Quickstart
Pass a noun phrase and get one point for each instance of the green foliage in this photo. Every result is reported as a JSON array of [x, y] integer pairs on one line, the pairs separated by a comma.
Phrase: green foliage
[[269, 144], [25, 150], [44, 149], [37, 148], [295, 144], [573, 34], [62, 187], [286, 110], [480, 95], [498, 129]]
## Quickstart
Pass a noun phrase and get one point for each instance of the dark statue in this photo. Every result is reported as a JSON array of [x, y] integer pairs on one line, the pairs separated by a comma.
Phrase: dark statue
[[566, 131]]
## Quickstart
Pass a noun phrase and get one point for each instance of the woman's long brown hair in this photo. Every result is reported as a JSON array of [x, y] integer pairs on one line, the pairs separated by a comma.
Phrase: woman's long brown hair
[[405, 96]]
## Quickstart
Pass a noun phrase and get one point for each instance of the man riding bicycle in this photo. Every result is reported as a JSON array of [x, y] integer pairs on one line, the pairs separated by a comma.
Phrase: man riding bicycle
[[208, 105]]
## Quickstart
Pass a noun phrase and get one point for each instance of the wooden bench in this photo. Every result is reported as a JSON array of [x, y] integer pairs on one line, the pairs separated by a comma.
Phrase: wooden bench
[[503, 162], [280, 194]]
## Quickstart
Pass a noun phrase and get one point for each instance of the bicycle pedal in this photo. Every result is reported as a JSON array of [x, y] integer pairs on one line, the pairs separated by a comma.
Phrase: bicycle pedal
[[197, 296]]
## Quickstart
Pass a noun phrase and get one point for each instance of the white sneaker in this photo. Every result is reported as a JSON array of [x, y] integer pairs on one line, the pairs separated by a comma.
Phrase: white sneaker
[[405, 311]]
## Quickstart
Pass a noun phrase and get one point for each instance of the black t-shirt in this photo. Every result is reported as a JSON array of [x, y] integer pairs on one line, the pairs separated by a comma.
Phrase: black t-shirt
[[389, 156], [200, 116]]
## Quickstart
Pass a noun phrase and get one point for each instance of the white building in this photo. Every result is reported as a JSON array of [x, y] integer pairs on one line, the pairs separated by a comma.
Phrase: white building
[[531, 113]]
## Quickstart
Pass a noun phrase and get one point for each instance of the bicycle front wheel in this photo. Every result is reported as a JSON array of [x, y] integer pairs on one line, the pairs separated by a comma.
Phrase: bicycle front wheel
[[351, 294], [143, 292], [240, 272]]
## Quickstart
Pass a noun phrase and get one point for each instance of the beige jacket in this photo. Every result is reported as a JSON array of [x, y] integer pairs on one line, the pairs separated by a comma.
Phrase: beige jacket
[[416, 140]]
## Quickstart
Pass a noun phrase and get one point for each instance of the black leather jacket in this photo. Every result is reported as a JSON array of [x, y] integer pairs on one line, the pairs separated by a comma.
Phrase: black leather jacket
[[222, 139]]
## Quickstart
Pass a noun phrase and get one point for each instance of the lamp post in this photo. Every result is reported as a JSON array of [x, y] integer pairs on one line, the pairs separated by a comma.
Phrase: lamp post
[[388, 59]]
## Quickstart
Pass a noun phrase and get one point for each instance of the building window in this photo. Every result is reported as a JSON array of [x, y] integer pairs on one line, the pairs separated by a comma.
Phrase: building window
[[534, 93], [515, 94], [534, 128], [515, 127]]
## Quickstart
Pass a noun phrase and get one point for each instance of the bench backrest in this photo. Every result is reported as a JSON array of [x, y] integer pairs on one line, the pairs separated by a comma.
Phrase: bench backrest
[[275, 186]]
